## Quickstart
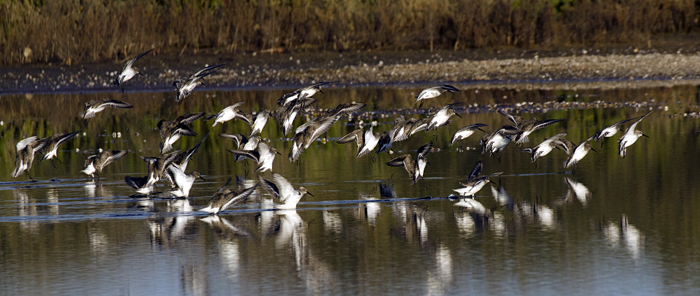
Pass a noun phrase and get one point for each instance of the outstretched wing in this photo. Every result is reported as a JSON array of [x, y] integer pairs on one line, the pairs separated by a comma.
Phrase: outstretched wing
[[475, 172]]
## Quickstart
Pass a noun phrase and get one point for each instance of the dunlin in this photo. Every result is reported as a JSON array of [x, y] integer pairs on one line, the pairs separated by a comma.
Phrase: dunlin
[[282, 189]]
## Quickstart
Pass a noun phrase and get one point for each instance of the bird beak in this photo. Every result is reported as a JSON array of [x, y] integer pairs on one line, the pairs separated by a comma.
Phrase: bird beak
[[594, 150], [202, 178], [309, 193], [645, 135], [460, 116]]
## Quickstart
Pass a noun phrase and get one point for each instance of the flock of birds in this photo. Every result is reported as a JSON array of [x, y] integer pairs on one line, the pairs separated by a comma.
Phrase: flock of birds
[[172, 165]]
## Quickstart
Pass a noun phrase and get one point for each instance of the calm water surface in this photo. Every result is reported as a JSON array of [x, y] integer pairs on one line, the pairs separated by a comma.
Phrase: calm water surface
[[366, 230]]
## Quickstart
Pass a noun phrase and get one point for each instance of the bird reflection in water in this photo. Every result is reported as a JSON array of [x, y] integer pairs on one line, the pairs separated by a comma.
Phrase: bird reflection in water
[[316, 275], [577, 190], [630, 235], [536, 213], [95, 189], [170, 224], [440, 277], [502, 197], [52, 201], [332, 222], [410, 221], [368, 210], [26, 208]]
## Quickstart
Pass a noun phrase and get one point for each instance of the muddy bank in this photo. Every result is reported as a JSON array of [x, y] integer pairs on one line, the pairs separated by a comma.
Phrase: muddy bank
[[573, 69]]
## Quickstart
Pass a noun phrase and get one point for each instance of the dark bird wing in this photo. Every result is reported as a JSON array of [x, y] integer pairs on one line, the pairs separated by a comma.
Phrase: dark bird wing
[[108, 158], [475, 172], [565, 145], [189, 118], [634, 125], [116, 104], [204, 72], [513, 118], [544, 123], [136, 182], [238, 138], [252, 154], [346, 108], [399, 161], [449, 88], [319, 128], [143, 54], [355, 135], [424, 150]]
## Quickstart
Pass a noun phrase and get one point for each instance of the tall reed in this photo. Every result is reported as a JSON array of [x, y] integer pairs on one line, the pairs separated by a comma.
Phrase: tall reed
[[69, 31]]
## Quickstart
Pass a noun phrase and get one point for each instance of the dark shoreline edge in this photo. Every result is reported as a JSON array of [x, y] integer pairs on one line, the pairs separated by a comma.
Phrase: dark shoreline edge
[[557, 72]]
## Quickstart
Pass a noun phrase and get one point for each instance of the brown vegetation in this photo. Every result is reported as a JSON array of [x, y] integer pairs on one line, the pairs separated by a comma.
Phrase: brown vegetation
[[70, 31]]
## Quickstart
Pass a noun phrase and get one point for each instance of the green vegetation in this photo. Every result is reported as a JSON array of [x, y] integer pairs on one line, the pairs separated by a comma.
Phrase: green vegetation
[[70, 31]]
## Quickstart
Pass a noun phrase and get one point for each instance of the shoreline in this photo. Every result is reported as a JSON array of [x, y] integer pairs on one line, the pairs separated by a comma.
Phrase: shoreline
[[254, 71]]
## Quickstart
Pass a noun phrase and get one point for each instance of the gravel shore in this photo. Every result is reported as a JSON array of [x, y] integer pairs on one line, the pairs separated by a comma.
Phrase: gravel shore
[[554, 71]]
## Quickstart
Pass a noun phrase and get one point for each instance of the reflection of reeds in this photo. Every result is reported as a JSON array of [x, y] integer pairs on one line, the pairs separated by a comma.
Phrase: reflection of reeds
[[70, 31]]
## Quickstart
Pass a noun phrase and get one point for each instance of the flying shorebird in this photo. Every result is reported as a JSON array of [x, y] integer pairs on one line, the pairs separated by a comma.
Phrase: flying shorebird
[[301, 94], [157, 166], [311, 130], [308, 133], [184, 88], [414, 168], [475, 183], [128, 72], [433, 92], [465, 132], [53, 142], [170, 131], [243, 143], [575, 152], [384, 143], [93, 107], [183, 158], [631, 135], [95, 163], [545, 147], [441, 117], [259, 122], [24, 157], [231, 112], [286, 114], [282, 189], [402, 130], [527, 126], [183, 181], [224, 198], [497, 141], [366, 140], [264, 156], [609, 131]]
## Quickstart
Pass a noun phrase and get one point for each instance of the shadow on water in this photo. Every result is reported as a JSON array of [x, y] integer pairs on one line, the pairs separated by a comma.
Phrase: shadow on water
[[615, 223]]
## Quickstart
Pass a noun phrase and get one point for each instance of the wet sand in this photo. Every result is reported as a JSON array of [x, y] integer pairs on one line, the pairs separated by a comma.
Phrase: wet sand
[[571, 69]]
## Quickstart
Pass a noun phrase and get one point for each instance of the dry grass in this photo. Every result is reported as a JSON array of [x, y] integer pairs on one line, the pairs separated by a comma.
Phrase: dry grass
[[69, 31]]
